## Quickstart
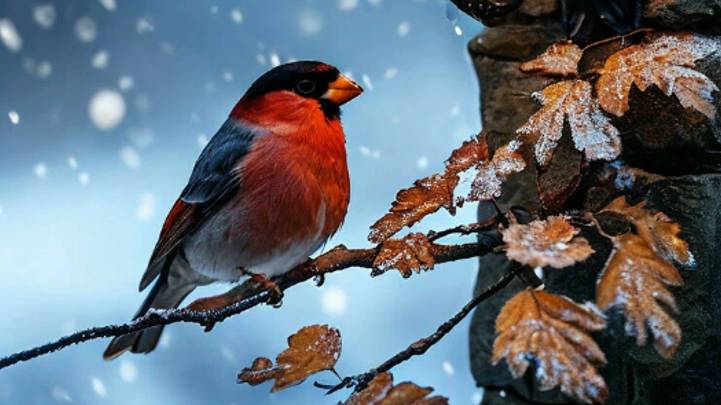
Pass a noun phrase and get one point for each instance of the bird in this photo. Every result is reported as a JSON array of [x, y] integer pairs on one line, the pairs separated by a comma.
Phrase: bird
[[268, 190]]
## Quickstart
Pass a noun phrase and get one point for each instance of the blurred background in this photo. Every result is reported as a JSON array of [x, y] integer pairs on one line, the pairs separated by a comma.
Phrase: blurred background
[[104, 107]]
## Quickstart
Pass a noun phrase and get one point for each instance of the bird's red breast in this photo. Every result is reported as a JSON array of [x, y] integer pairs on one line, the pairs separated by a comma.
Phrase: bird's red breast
[[295, 182]]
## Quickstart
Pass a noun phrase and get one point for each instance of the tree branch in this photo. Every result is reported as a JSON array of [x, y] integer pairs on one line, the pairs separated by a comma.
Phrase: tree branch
[[336, 259], [420, 346]]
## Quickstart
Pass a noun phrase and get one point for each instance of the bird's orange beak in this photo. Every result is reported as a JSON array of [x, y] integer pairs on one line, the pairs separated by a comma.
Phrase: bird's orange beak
[[342, 90]]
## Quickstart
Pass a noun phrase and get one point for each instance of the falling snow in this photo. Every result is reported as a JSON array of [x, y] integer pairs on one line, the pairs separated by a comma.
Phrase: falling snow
[[83, 178], [10, 36], [99, 387], [143, 25], [310, 22], [100, 59], [422, 163], [367, 81], [333, 301], [108, 4], [72, 162], [390, 73], [274, 59], [369, 153], [106, 109], [125, 83], [448, 368], [44, 15], [59, 394], [347, 5], [203, 140], [85, 29], [44, 69], [146, 207], [403, 29], [40, 170], [130, 157], [14, 117], [236, 16], [128, 371]]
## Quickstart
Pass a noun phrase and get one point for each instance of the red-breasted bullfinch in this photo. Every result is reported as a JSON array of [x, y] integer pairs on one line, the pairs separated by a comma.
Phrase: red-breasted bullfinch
[[268, 190]]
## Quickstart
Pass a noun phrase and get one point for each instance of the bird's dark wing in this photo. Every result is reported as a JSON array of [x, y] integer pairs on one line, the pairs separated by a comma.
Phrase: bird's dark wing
[[213, 181]]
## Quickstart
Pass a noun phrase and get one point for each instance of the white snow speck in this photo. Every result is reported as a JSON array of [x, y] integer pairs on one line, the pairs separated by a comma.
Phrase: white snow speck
[[40, 170], [9, 35], [84, 178], [228, 76], [14, 117], [128, 371], [142, 103], [261, 59], [106, 109], [203, 140], [213, 9], [61, 395], [347, 5], [236, 16], [477, 398], [502, 393], [146, 207], [168, 48], [130, 157], [85, 29], [390, 73], [143, 25], [44, 69], [44, 15], [310, 22], [457, 29], [142, 137], [228, 354], [404, 28], [125, 83], [99, 387], [375, 2], [455, 110], [538, 271], [369, 153], [72, 162], [422, 163], [367, 81], [334, 301], [165, 340], [108, 4], [448, 368], [274, 59], [100, 59]]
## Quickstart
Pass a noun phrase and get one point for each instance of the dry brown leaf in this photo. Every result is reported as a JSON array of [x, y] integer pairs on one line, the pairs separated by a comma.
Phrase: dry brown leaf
[[312, 349], [492, 174], [380, 391], [429, 194], [638, 273], [412, 253], [665, 60], [551, 331], [571, 101], [559, 59], [549, 243]]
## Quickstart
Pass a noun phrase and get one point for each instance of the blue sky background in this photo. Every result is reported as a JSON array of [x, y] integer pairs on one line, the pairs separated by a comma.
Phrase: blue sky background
[[104, 108]]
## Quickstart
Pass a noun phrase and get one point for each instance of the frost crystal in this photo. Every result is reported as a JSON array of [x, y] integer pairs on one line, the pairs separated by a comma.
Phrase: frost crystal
[[571, 101], [492, 174]]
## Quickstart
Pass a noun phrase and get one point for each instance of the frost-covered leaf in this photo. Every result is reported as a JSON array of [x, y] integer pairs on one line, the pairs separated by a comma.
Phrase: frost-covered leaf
[[638, 273], [492, 174], [552, 333], [551, 242], [412, 253], [381, 391], [571, 101], [559, 59], [665, 60], [429, 194], [312, 349]]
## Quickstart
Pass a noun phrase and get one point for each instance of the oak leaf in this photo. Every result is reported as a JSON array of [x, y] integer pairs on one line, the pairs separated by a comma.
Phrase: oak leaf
[[312, 349], [429, 194], [559, 59], [493, 173], [546, 243], [381, 391], [571, 101], [665, 60], [640, 270], [412, 253], [551, 332]]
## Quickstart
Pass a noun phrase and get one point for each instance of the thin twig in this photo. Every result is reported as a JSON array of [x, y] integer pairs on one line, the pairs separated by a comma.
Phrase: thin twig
[[336, 259], [420, 346], [464, 229]]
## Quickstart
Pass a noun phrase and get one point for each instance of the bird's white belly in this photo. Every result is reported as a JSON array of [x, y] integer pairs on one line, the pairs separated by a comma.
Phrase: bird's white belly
[[212, 253]]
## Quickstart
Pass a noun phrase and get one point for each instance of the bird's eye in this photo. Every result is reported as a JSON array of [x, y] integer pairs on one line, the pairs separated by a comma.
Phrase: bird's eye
[[305, 86]]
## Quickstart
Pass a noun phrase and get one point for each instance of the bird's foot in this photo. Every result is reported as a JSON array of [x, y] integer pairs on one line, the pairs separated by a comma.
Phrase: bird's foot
[[276, 294]]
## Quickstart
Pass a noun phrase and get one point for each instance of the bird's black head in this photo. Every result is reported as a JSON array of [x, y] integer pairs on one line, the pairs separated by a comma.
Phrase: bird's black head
[[308, 79]]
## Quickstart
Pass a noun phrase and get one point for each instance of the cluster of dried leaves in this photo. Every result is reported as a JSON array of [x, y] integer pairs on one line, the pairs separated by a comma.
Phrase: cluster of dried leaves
[[381, 391], [666, 60], [552, 331], [639, 271]]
